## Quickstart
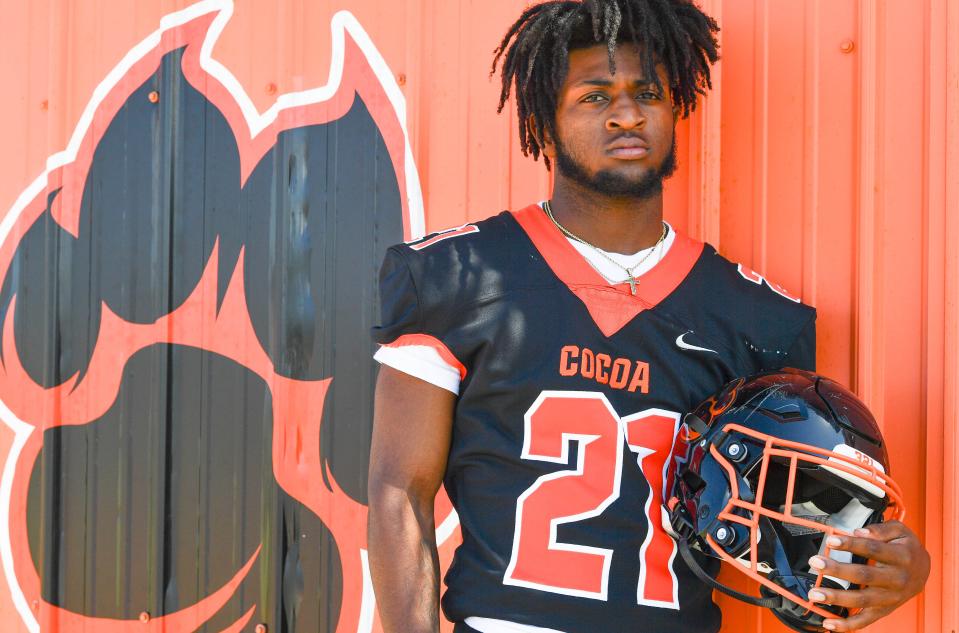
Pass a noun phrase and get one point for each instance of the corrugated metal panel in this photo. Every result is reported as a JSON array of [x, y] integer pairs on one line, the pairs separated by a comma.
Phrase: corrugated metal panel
[[943, 440], [835, 182], [196, 263], [835, 171]]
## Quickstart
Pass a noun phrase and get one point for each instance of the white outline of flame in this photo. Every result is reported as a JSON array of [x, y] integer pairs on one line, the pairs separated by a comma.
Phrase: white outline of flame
[[341, 23]]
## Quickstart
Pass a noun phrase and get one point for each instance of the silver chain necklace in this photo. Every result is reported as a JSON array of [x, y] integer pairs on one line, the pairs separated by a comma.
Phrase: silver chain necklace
[[631, 278]]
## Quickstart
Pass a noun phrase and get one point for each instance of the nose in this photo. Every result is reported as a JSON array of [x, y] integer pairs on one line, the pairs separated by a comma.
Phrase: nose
[[625, 114]]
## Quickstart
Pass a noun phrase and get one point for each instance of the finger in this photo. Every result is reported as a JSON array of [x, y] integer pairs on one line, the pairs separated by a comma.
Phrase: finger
[[869, 575], [895, 553], [855, 622], [870, 597], [886, 531]]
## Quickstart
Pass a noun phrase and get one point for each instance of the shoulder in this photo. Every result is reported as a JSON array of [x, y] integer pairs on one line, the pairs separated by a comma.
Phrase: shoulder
[[755, 317], [474, 243], [738, 280], [434, 276], [464, 262], [484, 234], [429, 289]]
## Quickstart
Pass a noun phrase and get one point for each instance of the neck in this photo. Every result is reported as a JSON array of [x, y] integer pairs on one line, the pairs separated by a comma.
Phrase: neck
[[614, 224]]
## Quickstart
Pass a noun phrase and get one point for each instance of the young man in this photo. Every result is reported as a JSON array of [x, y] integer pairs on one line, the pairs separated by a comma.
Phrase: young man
[[538, 362]]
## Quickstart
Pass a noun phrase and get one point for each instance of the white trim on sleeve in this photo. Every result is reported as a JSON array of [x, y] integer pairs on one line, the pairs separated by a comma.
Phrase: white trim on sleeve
[[423, 362]]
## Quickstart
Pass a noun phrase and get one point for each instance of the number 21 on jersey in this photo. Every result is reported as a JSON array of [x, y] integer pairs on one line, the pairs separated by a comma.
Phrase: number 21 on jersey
[[554, 421]]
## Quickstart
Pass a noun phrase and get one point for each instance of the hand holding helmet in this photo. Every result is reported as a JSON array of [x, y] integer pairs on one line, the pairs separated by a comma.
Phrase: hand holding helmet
[[781, 470]]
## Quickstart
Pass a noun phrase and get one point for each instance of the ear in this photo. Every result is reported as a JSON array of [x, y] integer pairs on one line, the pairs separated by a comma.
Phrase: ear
[[677, 110], [546, 143]]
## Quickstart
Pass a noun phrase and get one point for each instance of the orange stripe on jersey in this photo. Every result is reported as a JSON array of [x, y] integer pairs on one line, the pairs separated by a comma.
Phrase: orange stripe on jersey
[[445, 235], [431, 341], [611, 307]]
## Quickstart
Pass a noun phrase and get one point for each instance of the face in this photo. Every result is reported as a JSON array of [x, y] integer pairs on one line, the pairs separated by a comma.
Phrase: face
[[614, 132]]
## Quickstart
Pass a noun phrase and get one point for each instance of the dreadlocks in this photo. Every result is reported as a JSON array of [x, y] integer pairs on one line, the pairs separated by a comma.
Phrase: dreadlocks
[[678, 34]]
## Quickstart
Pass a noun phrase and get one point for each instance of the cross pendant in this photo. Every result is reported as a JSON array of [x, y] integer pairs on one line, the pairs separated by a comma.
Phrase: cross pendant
[[632, 285]]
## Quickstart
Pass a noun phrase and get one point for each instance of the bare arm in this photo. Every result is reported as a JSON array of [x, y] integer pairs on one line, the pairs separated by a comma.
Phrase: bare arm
[[412, 422]]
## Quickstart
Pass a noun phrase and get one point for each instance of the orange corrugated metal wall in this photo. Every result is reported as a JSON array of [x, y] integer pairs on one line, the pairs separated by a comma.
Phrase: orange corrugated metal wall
[[827, 158], [838, 178]]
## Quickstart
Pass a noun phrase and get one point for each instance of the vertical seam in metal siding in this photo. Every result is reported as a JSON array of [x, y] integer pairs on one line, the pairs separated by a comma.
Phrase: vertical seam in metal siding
[[711, 147], [950, 516], [869, 264], [931, 369], [810, 251], [761, 238]]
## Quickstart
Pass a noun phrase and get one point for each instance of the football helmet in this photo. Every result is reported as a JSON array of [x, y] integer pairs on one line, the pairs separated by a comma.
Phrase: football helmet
[[774, 464]]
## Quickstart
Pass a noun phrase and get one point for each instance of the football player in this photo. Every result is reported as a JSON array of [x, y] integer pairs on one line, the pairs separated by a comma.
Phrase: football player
[[537, 362]]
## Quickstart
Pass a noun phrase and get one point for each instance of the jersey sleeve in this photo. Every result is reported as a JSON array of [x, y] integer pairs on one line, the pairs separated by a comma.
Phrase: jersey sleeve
[[756, 324], [409, 339], [399, 301], [794, 347], [420, 361], [802, 354]]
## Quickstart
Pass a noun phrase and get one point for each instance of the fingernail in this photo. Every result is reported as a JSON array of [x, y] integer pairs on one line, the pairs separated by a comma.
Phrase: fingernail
[[817, 563], [817, 596], [861, 532], [833, 541], [829, 625]]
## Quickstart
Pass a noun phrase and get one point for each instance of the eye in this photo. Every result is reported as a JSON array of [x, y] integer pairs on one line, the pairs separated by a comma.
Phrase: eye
[[649, 95], [594, 97]]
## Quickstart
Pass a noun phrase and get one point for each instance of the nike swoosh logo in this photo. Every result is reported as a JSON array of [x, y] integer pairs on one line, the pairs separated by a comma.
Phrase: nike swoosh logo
[[684, 345]]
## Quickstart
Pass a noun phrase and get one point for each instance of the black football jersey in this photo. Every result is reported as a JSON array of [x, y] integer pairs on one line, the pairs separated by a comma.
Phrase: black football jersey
[[571, 397]]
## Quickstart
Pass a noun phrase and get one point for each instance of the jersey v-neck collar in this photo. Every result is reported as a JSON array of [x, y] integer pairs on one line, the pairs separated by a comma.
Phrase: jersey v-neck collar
[[611, 306]]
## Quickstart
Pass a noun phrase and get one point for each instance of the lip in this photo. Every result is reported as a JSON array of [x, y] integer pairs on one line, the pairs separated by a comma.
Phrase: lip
[[629, 148]]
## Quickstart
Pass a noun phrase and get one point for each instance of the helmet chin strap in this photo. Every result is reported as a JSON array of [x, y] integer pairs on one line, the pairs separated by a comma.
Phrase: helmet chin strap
[[687, 554]]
